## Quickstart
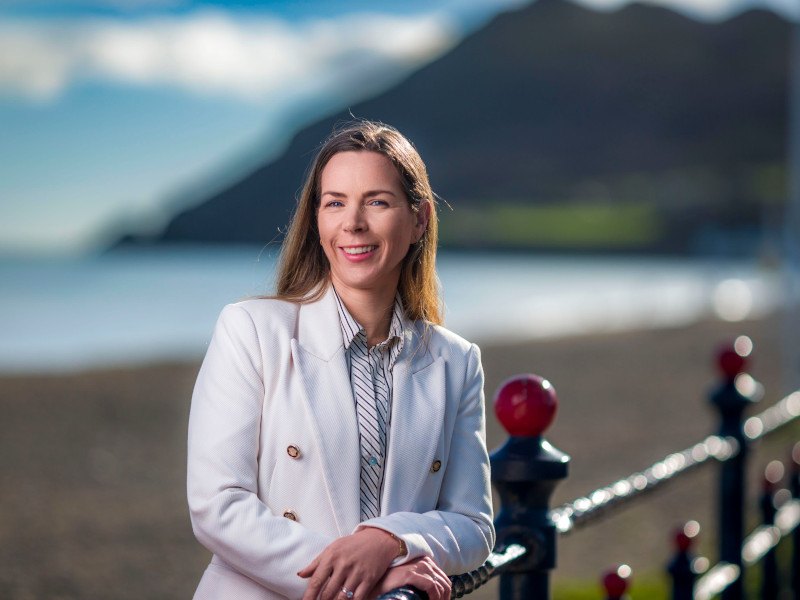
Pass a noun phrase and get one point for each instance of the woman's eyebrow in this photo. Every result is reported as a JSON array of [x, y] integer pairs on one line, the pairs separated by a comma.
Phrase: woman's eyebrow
[[366, 195], [377, 192]]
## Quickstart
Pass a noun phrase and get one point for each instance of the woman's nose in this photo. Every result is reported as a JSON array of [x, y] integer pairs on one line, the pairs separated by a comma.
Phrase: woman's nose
[[354, 219]]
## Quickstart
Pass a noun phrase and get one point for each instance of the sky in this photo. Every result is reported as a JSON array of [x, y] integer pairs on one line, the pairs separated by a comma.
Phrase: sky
[[114, 114]]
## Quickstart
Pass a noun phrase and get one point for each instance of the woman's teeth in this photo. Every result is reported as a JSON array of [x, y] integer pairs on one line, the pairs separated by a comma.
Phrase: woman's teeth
[[360, 249]]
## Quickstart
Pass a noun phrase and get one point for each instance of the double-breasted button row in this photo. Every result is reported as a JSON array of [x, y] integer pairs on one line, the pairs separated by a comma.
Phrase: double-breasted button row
[[294, 452]]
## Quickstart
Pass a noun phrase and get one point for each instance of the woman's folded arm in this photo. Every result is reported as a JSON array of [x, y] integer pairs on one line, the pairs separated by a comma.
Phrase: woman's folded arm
[[227, 515]]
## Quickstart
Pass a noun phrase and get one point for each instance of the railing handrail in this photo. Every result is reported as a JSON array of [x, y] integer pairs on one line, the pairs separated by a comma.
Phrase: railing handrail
[[467, 583], [578, 512]]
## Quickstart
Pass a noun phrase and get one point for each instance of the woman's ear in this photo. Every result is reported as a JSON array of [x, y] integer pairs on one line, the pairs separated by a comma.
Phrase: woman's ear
[[423, 216]]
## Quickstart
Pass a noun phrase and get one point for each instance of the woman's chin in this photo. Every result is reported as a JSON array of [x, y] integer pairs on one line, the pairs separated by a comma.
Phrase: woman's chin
[[365, 281]]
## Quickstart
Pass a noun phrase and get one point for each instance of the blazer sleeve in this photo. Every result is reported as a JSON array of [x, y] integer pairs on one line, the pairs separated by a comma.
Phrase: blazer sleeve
[[459, 534], [227, 515]]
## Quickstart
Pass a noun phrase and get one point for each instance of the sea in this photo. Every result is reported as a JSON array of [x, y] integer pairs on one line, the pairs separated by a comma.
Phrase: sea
[[142, 306]]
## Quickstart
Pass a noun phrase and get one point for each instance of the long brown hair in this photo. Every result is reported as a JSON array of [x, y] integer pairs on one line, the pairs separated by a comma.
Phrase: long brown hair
[[303, 267]]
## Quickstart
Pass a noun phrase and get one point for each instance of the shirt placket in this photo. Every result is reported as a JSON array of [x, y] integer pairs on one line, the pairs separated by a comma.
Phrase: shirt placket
[[378, 362]]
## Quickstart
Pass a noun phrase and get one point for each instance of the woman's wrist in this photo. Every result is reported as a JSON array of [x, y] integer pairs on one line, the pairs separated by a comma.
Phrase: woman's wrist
[[402, 550]]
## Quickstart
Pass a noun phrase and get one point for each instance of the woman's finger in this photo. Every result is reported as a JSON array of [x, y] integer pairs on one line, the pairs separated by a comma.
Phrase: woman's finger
[[447, 586], [308, 570], [361, 591], [443, 580], [431, 569], [318, 579], [333, 587], [429, 585], [354, 579], [357, 588]]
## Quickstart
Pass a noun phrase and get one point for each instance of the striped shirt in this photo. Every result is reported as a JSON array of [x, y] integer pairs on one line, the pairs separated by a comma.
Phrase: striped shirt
[[371, 379]]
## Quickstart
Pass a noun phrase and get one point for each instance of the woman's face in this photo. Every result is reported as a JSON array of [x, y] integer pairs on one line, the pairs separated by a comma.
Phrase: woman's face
[[365, 222]]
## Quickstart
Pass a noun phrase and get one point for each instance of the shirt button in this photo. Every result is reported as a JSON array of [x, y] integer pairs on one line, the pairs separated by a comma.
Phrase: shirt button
[[293, 451], [289, 514], [437, 464]]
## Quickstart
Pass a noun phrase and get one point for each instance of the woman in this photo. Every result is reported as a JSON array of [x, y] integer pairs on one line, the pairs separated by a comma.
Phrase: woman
[[336, 436]]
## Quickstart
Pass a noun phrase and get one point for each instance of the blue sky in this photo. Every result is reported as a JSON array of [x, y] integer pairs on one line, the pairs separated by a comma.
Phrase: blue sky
[[115, 112]]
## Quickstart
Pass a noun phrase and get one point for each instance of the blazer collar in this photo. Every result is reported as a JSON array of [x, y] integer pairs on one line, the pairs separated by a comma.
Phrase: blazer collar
[[319, 332], [318, 329]]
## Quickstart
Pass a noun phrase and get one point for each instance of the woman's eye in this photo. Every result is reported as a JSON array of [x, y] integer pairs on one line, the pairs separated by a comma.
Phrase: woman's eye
[[333, 203], [378, 203]]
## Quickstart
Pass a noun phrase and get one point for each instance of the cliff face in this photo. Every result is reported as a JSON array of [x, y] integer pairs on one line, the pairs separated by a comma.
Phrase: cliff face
[[555, 106]]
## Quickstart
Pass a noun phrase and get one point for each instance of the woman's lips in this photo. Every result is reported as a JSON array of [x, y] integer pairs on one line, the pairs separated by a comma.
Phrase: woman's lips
[[358, 253]]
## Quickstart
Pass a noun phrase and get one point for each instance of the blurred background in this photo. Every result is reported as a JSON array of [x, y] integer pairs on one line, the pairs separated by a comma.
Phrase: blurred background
[[618, 194]]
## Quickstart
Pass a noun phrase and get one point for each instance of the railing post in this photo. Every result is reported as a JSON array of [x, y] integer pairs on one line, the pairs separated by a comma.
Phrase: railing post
[[769, 567], [525, 470], [680, 567], [731, 402], [616, 582], [794, 486]]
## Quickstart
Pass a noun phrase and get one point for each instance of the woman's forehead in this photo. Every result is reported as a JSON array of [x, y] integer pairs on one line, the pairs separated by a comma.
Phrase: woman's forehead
[[359, 169]]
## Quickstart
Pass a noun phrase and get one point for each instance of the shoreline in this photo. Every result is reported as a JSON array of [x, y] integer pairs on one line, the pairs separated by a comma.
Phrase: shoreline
[[503, 339]]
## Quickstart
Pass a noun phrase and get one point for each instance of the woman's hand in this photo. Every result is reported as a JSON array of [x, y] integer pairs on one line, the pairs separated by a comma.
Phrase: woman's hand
[[355, 562], [422, 573]]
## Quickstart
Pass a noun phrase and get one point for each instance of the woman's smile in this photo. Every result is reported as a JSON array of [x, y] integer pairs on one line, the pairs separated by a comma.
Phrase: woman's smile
[[359, 253]]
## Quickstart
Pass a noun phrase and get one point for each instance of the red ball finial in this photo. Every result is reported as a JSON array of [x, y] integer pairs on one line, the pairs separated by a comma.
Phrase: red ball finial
[[525, 405], [732, 358], [616, 581], [684, 536]]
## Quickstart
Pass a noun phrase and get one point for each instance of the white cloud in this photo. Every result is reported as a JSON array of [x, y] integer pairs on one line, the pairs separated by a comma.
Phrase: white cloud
[[208, 52]]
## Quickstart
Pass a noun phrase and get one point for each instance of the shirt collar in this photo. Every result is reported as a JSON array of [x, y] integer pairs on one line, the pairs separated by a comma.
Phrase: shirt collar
[[351, 328]]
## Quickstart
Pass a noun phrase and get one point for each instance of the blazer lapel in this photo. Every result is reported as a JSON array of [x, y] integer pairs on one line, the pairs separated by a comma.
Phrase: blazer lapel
[[318, 354], [418, 406]]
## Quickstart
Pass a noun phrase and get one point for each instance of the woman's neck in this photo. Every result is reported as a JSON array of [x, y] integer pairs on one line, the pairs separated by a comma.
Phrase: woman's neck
[[372, 309]]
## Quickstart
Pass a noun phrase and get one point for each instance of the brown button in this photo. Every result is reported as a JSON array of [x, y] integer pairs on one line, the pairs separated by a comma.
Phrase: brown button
[[293, 451], [437, 464], [290, 515]]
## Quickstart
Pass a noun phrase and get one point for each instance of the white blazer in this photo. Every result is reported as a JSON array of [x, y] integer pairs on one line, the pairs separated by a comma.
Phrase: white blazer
[[273, 455]]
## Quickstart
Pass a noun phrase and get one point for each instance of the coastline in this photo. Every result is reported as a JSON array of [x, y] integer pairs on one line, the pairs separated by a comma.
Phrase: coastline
[[94, 486]]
